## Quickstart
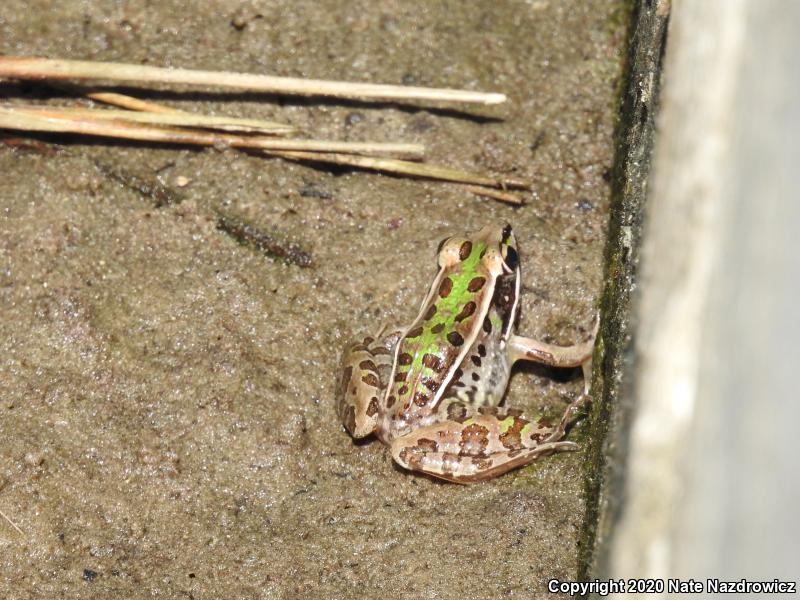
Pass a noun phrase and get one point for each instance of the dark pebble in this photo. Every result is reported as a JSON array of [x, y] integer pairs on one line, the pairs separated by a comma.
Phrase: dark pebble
[[89, 575]]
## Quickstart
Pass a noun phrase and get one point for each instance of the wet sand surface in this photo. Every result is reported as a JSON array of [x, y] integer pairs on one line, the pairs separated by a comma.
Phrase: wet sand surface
[[167, 425]]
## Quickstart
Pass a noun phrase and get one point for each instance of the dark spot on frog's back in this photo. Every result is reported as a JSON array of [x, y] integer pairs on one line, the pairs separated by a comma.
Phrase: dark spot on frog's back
[[465, 250], [433, 362], [438, 328], [446, 287], [420, 399], [405, 359], [466, 311], [455, 338], [431, 311], [431, 384], [476, 284], [416, 332]]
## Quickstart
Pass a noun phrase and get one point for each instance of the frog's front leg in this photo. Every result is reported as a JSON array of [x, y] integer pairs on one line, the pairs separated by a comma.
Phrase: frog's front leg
[[523, 348], [481, 446]]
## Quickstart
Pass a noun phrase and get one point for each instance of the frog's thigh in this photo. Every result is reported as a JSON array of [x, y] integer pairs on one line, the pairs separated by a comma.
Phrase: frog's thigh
[[478, 448], [366, 367]]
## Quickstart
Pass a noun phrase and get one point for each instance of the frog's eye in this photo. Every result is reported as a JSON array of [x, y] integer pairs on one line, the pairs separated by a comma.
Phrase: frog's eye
[[506, 233], [511, 258], [441, 245]]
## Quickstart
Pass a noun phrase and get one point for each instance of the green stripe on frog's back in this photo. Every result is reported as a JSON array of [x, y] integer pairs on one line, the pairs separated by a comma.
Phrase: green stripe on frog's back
[[444, 329]]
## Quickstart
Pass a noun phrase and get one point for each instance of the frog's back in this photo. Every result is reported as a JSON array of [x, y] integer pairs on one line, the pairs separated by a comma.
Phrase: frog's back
[[449, 321]]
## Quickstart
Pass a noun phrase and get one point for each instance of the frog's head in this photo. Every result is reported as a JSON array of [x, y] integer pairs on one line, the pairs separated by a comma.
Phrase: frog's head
[[494, 247], [486, 265]]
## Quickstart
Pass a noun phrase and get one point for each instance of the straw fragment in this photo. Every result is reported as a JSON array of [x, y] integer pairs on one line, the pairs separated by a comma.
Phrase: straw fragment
[[404, 167], [58, 122], [180, 119], [495, 194], [10, 522], [45, 68]]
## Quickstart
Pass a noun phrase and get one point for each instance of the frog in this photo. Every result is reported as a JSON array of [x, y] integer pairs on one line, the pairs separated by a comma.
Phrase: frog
[[433, 390]]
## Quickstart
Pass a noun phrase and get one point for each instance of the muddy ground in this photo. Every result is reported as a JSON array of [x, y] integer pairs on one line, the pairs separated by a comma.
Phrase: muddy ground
[[166, 394]]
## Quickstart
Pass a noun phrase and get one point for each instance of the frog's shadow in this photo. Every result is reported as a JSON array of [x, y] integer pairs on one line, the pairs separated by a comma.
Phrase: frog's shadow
[[559, 375]]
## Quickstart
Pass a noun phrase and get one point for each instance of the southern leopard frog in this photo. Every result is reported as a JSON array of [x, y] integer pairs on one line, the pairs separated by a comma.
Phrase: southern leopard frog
[[431, 390]]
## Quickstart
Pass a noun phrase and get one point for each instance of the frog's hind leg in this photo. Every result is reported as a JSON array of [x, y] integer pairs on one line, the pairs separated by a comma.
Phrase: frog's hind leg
[[523, 348], [366, 368], [481, 446]]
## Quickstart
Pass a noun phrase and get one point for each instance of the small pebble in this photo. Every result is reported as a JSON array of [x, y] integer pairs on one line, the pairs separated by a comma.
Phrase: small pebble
[[34, 459], [353, 118], [89, 575], [312, 191]]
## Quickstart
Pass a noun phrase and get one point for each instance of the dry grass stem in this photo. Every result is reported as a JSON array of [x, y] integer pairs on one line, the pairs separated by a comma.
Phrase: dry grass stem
[[403, 167], [478, 184], [129, 102], [10, 522], [44, 68], [495, 194], [114, 98], [21, 120], [175, 119], [387, 165]]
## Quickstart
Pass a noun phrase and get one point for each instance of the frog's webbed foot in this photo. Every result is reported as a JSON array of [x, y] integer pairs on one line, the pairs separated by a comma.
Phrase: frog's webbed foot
[[480, 446], [523, 348]]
